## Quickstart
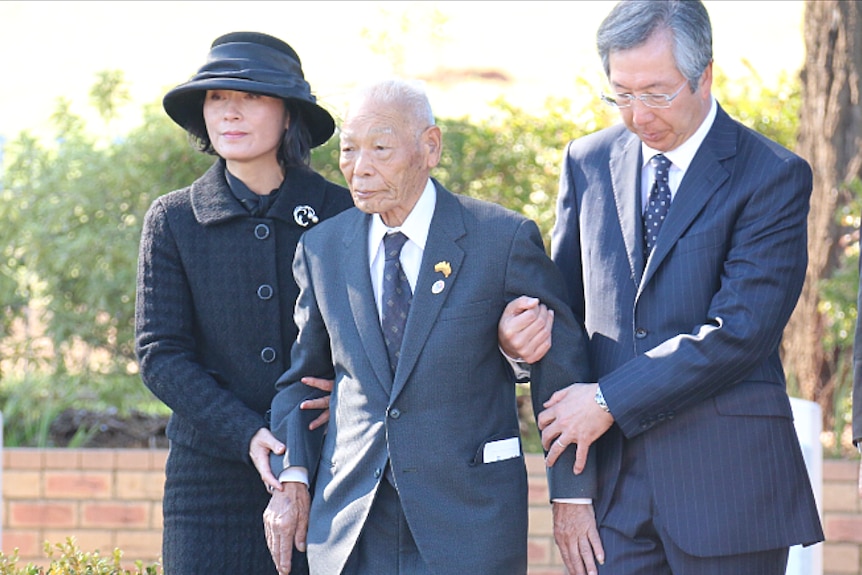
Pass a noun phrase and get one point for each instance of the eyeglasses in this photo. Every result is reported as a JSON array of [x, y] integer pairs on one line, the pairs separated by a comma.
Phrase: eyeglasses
[[648, 100]]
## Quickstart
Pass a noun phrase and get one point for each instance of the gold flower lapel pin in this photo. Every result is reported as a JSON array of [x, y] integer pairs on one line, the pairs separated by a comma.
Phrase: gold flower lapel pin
[[444, 268]]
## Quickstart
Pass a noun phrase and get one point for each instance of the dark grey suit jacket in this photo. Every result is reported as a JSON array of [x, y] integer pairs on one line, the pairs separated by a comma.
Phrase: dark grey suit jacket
[[452, 395], [686, 345]]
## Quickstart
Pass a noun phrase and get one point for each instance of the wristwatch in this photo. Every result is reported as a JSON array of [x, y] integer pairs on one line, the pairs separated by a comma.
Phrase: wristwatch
[[600, 400]]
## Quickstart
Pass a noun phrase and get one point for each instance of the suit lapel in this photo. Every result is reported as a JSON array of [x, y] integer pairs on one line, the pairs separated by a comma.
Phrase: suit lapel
[[625, 164], [447, 226], [703, 177], [360, 294]]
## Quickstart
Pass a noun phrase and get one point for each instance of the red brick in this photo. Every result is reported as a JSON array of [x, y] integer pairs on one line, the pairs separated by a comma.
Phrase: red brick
[[147, 485], [845, 528], [840, 470], [158, 458], [143, 545], [538, 492], [539, 550], [37, 514], [103, 515], [61, 458], [77, 485], [133, 459], [23, 458], [88, 540], [535, 464], [100, 459], [27, 541], [841, 558], [21, 484]]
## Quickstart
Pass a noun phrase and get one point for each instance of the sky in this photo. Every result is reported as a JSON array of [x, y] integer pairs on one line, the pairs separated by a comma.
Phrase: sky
[[534, 49]]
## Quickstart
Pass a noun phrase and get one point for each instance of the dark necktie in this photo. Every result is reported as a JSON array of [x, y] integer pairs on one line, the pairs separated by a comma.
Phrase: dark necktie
[[659, 202], [396, 297]]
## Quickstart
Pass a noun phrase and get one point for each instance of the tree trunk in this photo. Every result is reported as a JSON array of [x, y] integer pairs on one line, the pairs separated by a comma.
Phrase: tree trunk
[[830, 138]]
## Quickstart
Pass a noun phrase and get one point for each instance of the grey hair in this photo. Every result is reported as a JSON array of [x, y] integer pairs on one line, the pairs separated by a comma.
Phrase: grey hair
[[408, 95], [633, 22]]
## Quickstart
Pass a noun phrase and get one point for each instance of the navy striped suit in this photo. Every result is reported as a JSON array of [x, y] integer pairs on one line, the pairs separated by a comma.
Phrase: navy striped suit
[[686, 346]]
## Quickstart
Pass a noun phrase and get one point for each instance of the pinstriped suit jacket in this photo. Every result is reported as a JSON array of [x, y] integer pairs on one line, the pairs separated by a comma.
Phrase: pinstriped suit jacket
[[685, 346], [452, 394]]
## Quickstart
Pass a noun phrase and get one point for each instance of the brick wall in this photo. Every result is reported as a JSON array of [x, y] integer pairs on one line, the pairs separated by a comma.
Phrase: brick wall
[[110, 498]]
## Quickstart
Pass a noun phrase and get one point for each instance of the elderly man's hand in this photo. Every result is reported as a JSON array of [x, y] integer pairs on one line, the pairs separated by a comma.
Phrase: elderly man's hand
[[285, 522], [524, 329], [577, 537]]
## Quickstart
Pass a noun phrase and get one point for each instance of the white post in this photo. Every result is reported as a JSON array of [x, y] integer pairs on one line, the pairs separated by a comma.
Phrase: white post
[[808, 422]]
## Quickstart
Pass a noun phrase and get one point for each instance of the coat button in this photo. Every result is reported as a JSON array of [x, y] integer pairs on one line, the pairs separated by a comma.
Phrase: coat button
[[264, 292], [377, 473], [267, 354], [261, 231], [640, 333], [394, 413]]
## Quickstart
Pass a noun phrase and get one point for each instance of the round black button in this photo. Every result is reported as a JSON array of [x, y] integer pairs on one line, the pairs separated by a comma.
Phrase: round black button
[[267, 354], [261, 231], [264, 291], [394, 413], [640, 333]]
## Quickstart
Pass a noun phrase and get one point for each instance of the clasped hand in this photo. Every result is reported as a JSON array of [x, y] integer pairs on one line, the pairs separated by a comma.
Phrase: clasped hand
[[571, 415]]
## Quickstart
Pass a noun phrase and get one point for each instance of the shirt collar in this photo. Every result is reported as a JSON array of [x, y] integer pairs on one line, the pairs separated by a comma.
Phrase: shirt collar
[[415, 227], [682, 155]]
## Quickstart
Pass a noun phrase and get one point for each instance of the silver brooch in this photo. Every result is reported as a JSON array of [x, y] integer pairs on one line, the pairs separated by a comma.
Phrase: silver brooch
[[304, 215]]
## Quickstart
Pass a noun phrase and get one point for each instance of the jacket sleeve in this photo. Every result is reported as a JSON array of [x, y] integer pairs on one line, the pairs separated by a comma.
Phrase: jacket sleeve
[[532, 272], [310, 356]]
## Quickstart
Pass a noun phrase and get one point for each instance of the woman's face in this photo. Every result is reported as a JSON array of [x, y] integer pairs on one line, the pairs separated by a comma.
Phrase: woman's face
[[245, 128]]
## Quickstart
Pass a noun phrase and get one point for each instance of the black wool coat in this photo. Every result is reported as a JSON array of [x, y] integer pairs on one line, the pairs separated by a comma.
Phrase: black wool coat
[[215, 301]]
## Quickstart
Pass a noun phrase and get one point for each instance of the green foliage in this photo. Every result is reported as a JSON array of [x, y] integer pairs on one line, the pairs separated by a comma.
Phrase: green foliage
[[72, 216], [67, 559], [31, 402], [771, 110]]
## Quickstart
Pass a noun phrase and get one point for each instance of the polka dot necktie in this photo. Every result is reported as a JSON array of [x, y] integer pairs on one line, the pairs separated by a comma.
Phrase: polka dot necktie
[[396, 297], [659, 202]]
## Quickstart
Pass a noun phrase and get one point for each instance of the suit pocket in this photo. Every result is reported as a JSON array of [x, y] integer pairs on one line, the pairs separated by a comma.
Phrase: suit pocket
[[499, 447], [699, 241], [477, 309]]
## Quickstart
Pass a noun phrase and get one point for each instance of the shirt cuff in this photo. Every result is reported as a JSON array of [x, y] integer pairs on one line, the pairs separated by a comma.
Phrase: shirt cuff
[[519, 366], [575, 500], [295, 475]]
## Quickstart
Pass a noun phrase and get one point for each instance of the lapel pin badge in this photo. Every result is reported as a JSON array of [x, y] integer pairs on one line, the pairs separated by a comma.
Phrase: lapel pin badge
[[444, 268], [304, 215]]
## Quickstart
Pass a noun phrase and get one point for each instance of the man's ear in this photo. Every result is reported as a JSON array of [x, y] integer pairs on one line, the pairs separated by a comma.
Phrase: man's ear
[[432, 140]]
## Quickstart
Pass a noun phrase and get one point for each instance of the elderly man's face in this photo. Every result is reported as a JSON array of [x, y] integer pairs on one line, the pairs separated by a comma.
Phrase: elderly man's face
[[386, 157]]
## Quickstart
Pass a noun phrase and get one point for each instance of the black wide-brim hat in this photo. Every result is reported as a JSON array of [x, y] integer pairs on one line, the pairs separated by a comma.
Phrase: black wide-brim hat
[[249, 62]]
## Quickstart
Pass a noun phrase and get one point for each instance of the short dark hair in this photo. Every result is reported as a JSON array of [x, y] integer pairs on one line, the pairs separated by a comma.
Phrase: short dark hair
[[633, 22]]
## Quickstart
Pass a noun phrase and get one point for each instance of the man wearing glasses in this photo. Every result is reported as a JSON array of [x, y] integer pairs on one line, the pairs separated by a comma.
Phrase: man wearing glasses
[[682, 237]]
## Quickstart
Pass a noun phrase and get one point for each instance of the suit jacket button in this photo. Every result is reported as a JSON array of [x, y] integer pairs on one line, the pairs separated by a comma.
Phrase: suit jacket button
[[640, 333], [395, 413], [267, 355], [377, 473]]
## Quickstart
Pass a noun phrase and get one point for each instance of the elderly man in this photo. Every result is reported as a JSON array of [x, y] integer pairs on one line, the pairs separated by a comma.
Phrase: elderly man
[[420, 470]]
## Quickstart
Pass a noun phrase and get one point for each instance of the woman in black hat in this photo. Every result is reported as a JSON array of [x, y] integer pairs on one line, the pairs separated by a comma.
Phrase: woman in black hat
[[215, 294]]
